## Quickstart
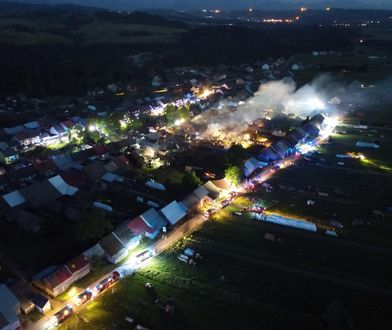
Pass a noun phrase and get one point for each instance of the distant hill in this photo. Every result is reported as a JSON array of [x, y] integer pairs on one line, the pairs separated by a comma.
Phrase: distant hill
[[36, 24], [222, 4]]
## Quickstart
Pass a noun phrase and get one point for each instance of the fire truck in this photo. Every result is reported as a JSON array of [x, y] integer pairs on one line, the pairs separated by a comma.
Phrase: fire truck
[[107, 282], [83, 297], [62, 315]]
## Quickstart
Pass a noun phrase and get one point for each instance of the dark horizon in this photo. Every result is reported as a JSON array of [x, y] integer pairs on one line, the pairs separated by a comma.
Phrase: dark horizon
[[227, 5]]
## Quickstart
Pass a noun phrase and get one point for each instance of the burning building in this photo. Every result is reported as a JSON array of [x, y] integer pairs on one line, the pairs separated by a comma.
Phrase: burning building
[[284, 147]]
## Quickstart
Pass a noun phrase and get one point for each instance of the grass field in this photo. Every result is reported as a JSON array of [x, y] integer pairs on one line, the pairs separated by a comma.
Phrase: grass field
[[247, 282]]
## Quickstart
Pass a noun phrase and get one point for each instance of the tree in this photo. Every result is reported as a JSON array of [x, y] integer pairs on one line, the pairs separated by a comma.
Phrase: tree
[[190, 180], [170, 113], [92, 226], [233, 174]]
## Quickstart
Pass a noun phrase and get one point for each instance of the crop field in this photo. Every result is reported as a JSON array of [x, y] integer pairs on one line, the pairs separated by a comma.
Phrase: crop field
[[287, 285]]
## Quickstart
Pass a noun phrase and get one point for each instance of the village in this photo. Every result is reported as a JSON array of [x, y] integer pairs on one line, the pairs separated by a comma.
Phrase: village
[[126, 165]]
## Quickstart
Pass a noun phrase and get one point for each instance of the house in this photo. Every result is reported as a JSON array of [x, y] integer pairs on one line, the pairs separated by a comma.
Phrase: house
[[126, 236], [280, 148], [115, 251], [311, 129], [149, 224], [79, 267], [26, 139], [196, 198], [62, 187], [9, 309], [54, 282], [251, 165], [41, 303], [216, 187], [174, 212], [154, 220], [14, 130], [9, 156], [40, 193], [63, 162], [24, 219], [95, 170], [267, 155]]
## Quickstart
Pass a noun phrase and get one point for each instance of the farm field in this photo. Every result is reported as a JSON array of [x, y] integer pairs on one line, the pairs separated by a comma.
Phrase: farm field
[[279, 286]]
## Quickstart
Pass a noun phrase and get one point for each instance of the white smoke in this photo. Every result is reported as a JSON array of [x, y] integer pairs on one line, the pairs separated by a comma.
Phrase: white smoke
[[272, 98]]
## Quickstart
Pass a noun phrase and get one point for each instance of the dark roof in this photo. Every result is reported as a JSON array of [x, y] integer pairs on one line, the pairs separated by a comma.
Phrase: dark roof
[[78, 263], [40, 193], [280, 148], [82, 155], [267, 155], [44, 165], [317, 119], [23, 172], [100, 149], [311, 129], [111, 245], [8, 152], [95, 170], [74, 177], [24, 219], [124, 233], [38, 300]]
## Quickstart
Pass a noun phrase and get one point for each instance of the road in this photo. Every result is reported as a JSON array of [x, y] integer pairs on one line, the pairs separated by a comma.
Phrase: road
[[159, 246]]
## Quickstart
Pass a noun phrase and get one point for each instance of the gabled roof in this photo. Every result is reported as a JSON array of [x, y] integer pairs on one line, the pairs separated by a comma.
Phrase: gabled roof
[[311, 128], [174, 212], [268, 154], [32, 125], [43, 165], [153, 219], [82, 155], [111, 177], [39, 300], [63, 162], [13, 130], [74, 177], [317, 119], [124, 233], [58, 277], [62, 187], [213, 190], [221, 184], [77, 264], [95, 170], [190, 201], [14, 198], [201, 192], [24, 219], [40, 193], [111, 245], [139, 227]]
